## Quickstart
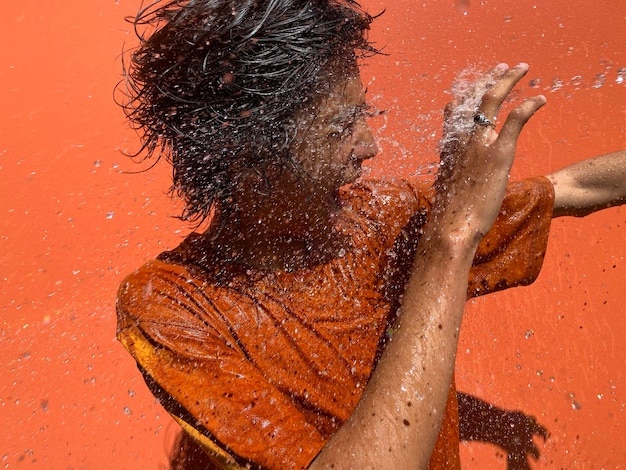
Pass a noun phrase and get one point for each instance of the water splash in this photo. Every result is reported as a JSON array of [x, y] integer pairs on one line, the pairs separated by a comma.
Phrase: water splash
[[599, 80], [557, 84], [467, 90]]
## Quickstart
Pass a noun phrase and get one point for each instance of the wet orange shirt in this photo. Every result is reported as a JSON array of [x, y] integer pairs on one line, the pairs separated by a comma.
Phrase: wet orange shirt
[[264, 367]]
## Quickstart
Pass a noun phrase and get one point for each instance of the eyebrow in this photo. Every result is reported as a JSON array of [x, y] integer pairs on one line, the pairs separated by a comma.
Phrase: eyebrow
[[349, 114]]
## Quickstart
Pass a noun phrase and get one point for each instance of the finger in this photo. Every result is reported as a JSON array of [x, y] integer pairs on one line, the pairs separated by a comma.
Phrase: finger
[[516, 120], [447, 111], [495, 96], [450, 140]]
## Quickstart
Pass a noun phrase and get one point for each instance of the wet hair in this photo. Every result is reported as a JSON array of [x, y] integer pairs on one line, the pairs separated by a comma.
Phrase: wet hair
[[214, 84]]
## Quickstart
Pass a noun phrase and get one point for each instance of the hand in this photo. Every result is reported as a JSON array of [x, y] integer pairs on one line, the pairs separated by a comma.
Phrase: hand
[[475, 159]]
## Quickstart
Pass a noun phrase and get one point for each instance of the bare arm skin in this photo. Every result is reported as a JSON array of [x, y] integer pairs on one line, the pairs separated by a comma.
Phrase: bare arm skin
[[397, 421], [590, 185]]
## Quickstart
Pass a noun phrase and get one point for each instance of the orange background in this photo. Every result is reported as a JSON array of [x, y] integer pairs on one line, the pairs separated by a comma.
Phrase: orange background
[[73, 222]]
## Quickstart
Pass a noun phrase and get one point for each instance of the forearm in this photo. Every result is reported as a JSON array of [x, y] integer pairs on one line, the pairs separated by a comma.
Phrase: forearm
[[397, 421], [590, 185], [402, 408]]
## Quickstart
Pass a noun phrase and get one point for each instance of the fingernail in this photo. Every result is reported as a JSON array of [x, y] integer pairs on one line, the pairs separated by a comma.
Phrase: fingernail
[[522, 65]]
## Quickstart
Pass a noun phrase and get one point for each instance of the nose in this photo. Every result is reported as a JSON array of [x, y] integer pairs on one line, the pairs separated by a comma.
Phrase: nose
[[365, 147]]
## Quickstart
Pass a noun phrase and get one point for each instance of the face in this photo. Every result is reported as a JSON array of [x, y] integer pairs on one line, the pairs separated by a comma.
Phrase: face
[[331, 142], [333, 137]]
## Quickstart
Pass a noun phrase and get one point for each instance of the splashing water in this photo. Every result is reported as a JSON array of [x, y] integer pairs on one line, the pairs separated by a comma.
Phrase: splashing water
[[600, 78], [467, 90]]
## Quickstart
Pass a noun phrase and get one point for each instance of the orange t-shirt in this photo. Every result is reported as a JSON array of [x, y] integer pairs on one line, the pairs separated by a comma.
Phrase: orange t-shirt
[[263, 368]]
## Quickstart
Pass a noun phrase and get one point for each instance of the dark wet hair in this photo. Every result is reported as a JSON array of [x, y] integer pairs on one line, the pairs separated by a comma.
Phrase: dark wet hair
[[214, 84]]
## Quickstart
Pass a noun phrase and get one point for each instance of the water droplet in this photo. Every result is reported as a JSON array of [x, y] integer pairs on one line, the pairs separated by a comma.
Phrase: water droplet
[[557, 84], [576, 81], [599, 80], [110, 215]]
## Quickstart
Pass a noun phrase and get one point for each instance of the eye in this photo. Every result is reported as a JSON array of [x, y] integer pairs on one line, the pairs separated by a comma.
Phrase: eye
[[340, 130], [343, 125], [335, 130]]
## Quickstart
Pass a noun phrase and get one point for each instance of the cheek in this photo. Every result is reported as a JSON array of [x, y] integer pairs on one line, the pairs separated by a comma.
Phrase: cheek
[[338, 156], [325, 155], [342, 151], [325, 159]]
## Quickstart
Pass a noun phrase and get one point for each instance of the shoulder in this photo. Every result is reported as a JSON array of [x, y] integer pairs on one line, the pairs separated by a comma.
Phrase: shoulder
[[388, 197], [166, 305], [387, 206], [154, 283], [175, 279]]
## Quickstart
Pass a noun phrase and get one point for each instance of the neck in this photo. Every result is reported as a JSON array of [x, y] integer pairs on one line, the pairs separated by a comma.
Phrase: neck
[[277, 233], [253, 248]]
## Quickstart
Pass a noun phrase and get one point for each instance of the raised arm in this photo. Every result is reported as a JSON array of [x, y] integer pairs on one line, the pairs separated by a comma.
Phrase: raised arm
[[590, 185], [397, 421]]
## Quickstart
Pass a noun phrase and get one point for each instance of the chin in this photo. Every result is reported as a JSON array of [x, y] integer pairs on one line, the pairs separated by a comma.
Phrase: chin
[[352, 175]]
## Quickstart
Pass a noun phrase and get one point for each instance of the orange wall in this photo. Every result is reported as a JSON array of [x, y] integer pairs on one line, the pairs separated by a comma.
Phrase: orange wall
[[72, 223]]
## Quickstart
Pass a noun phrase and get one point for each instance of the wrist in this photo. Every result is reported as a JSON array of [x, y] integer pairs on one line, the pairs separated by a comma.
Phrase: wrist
[[451, 240]]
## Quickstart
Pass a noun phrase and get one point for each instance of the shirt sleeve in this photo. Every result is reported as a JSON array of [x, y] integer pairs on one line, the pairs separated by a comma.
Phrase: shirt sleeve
[[512, 252], [194, 364], [510, 255]]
